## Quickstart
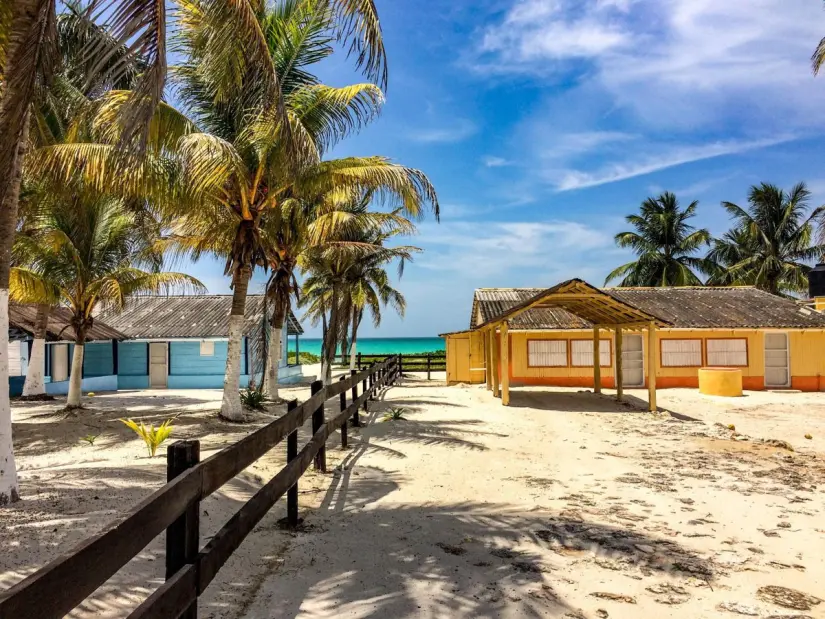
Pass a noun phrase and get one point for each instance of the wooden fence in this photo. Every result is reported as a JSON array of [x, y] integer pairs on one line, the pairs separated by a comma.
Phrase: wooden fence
[[426, 362], [66, 582]]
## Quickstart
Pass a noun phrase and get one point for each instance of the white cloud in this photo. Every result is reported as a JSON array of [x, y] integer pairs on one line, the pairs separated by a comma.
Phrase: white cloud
[[491, 161], [633, 166], [457, 132]]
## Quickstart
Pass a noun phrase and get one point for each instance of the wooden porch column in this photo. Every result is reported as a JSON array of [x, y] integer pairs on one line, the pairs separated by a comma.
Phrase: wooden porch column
[[496, 350], [597, 364], [488, 359], [651, 365], [505, 364], [619, 372]]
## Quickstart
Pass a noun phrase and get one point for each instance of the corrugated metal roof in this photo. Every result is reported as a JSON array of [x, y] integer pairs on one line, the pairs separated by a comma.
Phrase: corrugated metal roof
[[688, 307], [22, 316], [197, 316]]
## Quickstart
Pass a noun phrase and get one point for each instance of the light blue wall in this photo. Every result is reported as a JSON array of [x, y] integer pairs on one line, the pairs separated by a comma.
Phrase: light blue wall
[[97, 359], [189, 370], [96, 384], [132, 358]]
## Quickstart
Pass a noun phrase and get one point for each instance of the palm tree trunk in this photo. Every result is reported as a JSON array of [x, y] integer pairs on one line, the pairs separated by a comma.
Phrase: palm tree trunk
[[35, 383], [324, 335], [231, 408], [9, 194], [275, 345], [356, 320], [76, 376], [332, 336]]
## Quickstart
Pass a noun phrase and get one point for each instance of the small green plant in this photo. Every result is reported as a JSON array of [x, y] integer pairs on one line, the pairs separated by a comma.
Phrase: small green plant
[[90, 438], [396, 413], [731, 427], [253, 398], [152, 436], [808, 436]]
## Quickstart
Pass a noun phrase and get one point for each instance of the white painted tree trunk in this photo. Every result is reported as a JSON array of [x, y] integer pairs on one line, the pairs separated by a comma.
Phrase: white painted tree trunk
[[35, 377], [9, 492], [274, 364], [231, 407], [76, 377], [352, 355]]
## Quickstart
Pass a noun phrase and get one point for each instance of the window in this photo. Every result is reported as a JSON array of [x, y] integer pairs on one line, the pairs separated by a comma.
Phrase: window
[[207, 348], [681, 353], [547, 353], [728, 352], [581, 352]]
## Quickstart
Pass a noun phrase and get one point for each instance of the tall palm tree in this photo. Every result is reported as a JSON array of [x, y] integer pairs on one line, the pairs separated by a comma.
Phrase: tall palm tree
[[91, 249], [771, 242], [665, 245]]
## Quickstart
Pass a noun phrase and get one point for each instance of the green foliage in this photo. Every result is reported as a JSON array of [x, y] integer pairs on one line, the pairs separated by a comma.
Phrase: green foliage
[[253, 399], [306, 358], [396, 413], [90, 438], [152, 436]]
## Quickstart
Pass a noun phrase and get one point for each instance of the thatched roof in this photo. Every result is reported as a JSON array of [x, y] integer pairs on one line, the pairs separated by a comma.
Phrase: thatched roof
[[182, 316], [22, 317], [736, 307]]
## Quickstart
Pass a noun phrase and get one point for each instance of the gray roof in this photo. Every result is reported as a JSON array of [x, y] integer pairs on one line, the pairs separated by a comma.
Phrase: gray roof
[[22, 316], [735, 307], [181, 316]]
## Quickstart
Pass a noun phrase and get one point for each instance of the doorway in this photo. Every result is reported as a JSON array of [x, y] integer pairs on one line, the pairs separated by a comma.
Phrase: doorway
[[777, 360], [158, 360], [633, 361], [60, 362]]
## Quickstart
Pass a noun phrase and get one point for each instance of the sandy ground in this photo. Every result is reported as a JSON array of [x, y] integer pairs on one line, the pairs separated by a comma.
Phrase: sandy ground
[[565, 504]]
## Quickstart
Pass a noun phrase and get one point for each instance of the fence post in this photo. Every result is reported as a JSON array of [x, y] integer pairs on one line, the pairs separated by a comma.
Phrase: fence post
[[364, 390], [183, 535], [291, 454], [428, 366], [343, 404], [317, 423], [356, 421], [359, 362], [401, 366]]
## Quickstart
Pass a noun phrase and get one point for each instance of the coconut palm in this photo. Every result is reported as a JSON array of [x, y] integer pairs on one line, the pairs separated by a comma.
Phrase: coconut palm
[[90, 248], [665, 245], [772, 240]]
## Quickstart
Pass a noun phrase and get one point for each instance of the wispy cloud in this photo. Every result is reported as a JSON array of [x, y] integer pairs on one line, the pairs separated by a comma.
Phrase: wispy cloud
[[567, 180], [491, 161], [460, 130]]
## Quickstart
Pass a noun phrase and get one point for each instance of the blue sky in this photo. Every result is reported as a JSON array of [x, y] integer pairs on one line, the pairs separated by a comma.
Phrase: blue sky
[[543, 122]]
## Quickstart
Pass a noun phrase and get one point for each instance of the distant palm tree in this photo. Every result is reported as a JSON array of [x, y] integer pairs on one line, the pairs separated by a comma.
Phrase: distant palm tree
[[664, 243], [771, 242]]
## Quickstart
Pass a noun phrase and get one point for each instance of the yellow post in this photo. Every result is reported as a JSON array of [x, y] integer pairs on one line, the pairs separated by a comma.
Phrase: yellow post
[[488, 357], [651, 365], [597, 364], [619, 378], [505, 364], [496, 350]]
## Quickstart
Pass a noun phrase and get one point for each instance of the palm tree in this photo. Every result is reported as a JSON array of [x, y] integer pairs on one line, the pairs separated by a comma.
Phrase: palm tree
[[91, 249], [664, 243], [772, 241]]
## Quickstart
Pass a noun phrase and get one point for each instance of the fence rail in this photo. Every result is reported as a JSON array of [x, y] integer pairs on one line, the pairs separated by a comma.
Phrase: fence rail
[[425, 362], [67, 581]]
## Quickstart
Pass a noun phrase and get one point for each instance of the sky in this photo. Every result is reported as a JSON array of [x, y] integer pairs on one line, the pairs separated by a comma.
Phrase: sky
[[542, 123]]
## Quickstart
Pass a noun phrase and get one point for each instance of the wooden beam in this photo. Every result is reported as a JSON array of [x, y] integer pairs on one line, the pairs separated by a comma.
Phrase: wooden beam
[[488, 358], [496, 349], [619, 372], [597, 365], [505, 364], [652, 347]]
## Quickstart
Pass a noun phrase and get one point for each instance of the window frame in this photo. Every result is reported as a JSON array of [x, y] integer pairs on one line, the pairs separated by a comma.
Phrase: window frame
[[590, 341], [722, 365], [566, 350], [701, 341], [210, 344]]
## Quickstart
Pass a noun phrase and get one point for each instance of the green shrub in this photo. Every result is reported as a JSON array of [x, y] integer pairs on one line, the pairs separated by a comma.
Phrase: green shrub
[[90, 438], [254, 399], [306, 358], [396, 413], [152, 436]]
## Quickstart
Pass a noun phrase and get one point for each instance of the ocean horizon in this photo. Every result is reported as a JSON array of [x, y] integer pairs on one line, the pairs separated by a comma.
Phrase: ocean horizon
[[379, 345]]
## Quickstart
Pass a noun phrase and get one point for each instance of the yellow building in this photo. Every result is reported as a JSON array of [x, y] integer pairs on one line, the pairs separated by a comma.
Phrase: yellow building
[[775, 342]]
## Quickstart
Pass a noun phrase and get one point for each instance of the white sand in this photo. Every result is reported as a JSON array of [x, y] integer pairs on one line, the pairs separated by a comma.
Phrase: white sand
[[469, 509]]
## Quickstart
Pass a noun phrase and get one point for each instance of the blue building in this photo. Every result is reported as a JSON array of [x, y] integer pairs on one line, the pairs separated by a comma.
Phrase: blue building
[[174, 342]]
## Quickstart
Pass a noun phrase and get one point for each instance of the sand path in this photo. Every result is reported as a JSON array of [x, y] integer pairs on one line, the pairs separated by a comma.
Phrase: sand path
[[563, 505]]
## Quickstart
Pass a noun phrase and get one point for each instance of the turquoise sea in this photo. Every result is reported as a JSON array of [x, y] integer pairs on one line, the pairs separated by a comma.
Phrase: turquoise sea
[[379, 345]]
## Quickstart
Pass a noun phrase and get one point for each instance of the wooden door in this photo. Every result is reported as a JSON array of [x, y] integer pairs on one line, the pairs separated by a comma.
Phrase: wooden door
[[633, 363], [158, 359], [777, 360], [60, 362]]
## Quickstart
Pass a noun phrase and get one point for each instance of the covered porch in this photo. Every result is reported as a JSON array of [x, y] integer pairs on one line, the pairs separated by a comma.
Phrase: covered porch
[[599, 308]]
